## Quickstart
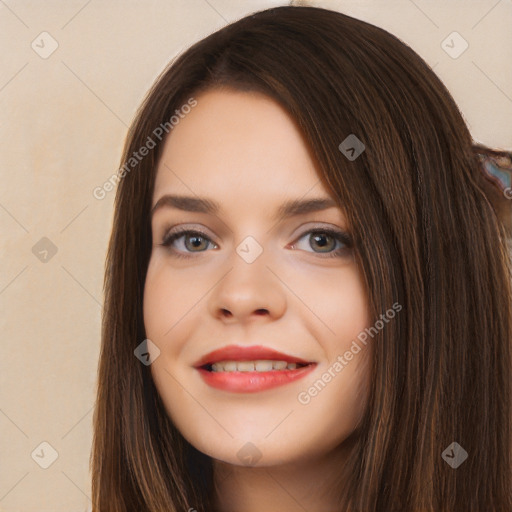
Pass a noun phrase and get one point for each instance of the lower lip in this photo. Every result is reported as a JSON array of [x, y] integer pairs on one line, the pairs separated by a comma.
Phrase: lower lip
[[252, 382]]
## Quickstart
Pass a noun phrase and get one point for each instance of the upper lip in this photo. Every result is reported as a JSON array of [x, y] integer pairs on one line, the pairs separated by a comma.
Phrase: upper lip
[[242, 353]]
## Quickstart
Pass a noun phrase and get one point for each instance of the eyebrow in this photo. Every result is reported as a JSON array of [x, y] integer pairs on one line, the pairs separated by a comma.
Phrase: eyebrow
[[203, 205]]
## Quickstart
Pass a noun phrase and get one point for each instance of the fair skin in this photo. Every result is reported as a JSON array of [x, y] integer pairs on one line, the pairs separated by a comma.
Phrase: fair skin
[[243, 151]]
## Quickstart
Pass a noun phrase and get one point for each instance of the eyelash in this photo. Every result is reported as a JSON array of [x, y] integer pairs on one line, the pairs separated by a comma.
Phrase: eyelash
[[340, 236]]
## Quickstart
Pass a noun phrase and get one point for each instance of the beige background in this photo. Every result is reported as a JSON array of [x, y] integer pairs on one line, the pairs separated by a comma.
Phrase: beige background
[[63, 122]]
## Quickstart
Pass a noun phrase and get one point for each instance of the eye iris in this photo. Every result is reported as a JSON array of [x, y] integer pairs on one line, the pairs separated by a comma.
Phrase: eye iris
[[195, 244], [323, 244]]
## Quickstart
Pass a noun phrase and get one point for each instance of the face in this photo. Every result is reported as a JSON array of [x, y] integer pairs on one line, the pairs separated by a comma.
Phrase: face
[[254, 277]]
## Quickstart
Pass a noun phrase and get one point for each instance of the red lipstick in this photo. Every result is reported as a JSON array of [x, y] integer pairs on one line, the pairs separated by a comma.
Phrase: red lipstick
[[250, 381]]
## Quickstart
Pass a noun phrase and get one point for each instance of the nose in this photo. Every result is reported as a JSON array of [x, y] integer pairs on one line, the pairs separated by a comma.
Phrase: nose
[[246, 292]]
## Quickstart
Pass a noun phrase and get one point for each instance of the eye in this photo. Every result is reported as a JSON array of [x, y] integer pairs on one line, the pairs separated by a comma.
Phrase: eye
[[192, 239], [326, 239]]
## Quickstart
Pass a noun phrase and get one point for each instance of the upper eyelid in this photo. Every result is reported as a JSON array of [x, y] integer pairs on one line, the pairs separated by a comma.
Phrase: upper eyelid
[[313, 225], [179, 231]]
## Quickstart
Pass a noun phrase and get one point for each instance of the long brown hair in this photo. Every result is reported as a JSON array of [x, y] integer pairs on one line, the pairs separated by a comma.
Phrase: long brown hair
[[427, 235]]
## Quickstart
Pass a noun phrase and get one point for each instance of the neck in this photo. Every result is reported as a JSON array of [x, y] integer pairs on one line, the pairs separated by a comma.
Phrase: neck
[[314, 485]]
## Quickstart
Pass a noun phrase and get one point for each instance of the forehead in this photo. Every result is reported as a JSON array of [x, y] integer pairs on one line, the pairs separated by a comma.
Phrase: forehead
[[240, 143]]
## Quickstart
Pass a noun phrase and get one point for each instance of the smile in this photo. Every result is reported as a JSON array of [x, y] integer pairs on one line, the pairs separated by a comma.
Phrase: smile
[[252, 366], [241, 369]]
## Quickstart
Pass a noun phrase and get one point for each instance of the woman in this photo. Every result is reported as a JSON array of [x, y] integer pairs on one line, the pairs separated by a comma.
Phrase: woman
[[342, 339]]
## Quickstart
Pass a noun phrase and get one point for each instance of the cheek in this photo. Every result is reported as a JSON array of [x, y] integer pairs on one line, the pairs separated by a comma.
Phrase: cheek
[[168, 300], [335, 307], [335, 407], [347, 311], [339, 391], [352, 316]]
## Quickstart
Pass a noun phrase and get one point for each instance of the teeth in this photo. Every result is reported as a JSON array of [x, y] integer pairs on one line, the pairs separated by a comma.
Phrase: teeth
[[245, 366], [263, 366], [229, 366], [252, 366]]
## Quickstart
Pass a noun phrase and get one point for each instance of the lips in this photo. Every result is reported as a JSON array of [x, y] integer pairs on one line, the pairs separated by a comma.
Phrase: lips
[[237, 381], [238, 353]]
